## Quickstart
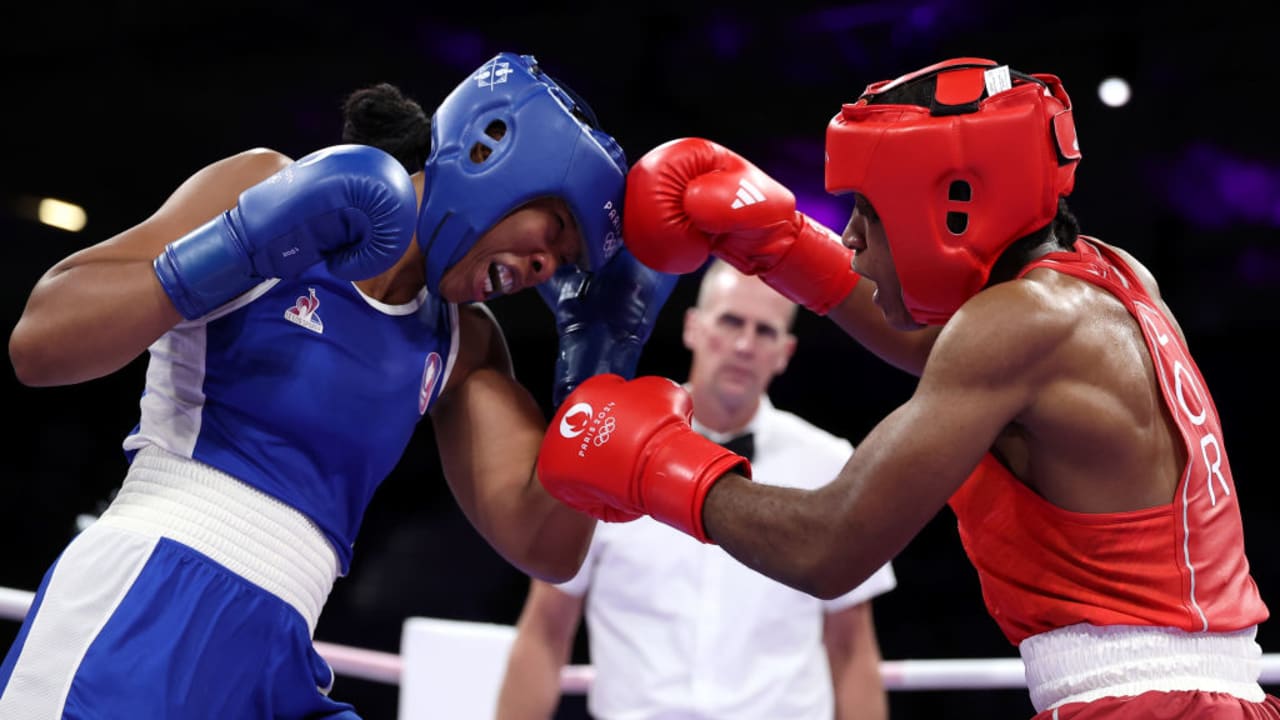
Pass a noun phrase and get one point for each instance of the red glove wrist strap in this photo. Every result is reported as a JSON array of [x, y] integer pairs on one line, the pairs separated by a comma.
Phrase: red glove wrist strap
[[817, 270], [676, 480]]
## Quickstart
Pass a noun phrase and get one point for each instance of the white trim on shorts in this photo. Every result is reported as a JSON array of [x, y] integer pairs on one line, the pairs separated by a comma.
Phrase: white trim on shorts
[[1081, 663], [252, 534], [85, 587]]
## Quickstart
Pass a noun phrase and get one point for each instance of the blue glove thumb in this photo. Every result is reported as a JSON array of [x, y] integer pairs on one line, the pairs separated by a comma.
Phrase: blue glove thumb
[[603, 318]]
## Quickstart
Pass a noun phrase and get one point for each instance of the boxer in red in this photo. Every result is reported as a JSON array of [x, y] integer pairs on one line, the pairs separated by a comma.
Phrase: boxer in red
[[1058, 411]]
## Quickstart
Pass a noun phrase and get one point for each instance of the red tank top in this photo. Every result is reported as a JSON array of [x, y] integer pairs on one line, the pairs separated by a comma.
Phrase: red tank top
[[1179, 565]]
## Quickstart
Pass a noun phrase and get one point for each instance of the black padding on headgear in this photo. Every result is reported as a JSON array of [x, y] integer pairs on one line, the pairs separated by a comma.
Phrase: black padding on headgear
[[579, 104]]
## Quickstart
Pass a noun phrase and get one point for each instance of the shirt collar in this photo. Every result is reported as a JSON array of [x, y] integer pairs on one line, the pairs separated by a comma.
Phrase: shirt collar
[[753, 425]]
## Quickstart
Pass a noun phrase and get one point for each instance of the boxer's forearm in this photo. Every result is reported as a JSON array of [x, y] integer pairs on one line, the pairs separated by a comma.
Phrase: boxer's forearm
[[784, 533]]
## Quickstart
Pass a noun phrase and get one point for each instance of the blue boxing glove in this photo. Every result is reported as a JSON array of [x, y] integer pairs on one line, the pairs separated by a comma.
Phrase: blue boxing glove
[[603, 318], [352, 206]]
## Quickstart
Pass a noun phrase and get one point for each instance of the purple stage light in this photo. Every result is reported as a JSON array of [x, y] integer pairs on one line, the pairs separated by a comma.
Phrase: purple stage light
[[826, 209], [1258, 267], [797, 163], [1214, 189], [726, 37], [456, 47]]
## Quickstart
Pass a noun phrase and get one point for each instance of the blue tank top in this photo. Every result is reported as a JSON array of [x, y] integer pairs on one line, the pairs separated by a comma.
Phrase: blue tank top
[[306, 389]]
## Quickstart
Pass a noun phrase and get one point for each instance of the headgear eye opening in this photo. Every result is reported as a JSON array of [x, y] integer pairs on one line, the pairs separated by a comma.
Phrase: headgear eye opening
[[481, 150]]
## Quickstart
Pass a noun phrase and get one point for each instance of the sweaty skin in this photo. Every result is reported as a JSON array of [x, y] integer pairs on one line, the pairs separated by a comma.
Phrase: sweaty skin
[[1050, 372], [100, 308]]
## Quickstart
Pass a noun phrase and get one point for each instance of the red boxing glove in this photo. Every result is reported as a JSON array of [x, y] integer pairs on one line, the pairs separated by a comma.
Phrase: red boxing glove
[[690, 197], [619, 449]]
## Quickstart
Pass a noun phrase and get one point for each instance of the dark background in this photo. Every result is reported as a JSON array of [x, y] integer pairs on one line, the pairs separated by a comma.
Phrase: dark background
[[111, 105]]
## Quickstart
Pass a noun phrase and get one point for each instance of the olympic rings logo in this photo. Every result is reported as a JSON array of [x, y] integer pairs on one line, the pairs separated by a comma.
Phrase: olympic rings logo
[[605, 432]]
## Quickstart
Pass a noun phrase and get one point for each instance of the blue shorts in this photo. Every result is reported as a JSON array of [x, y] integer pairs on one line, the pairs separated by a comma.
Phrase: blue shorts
[[131, 625]]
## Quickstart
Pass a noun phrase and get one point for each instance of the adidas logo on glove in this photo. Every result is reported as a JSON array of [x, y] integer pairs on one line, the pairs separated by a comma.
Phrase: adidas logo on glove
[[747, 194]]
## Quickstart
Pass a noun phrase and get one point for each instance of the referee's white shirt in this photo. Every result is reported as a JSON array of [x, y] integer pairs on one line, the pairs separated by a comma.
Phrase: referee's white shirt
[[679, 629]]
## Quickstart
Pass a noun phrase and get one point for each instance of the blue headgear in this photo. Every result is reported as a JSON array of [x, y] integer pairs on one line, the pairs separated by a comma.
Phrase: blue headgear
[[543, 151]]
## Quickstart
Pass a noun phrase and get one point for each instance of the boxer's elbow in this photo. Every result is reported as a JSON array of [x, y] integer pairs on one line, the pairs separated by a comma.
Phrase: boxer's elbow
[[817, 578], [553, 567], [822, 564], [39, 360], [554, 570], [839, 571], [826, 588], [30, 365], [555, 551]]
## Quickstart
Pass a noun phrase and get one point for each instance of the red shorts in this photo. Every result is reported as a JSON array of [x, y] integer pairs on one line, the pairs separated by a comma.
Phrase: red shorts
[[1157, 705]]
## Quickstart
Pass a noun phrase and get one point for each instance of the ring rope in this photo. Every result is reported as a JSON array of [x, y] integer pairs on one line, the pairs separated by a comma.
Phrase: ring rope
[[945, 674]]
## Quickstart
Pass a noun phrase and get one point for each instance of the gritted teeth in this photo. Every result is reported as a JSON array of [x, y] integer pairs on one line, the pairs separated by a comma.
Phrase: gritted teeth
[[500, 280], [490, 279]]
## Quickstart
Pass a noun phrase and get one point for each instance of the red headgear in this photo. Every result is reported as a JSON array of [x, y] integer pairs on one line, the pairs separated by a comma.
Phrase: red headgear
[[957, 182]]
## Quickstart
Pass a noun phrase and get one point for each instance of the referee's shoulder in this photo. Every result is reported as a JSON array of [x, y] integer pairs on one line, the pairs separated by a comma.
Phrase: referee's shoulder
[[796, 430]]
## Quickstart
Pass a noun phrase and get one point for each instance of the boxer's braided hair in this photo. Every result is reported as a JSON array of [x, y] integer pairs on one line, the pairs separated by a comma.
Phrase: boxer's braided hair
[[382, 116]]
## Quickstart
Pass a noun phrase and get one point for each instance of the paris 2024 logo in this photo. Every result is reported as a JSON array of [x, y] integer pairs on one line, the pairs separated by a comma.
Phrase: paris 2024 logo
[[591, 427]]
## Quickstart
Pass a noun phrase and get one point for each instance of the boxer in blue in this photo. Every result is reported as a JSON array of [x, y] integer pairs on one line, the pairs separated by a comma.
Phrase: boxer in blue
[[297, 334]]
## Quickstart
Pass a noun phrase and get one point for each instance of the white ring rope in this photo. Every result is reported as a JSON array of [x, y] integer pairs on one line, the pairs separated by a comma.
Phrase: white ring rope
[[14, 603], [955, 674]]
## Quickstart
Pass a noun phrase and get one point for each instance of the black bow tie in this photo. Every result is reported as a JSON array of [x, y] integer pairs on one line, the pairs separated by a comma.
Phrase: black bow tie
[[744, 445]]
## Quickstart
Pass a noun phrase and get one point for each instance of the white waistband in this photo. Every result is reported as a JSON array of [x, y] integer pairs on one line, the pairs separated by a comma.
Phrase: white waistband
[[249, 532], [1080, 663]]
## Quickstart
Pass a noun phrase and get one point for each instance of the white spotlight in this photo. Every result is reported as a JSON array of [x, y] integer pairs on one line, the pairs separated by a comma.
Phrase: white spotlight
[[1114, 92], [61, 214]]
